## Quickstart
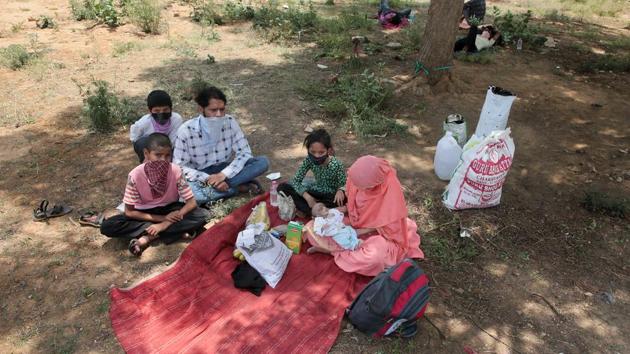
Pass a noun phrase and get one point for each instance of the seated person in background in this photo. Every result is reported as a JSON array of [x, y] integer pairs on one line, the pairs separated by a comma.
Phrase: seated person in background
[[329, 173], [152, 206], [204, 148], [391, 19], [478, 39], [160, 119], [329, 223], [473, 13]]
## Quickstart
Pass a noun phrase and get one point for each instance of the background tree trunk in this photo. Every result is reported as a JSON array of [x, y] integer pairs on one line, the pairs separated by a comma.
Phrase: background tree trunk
[[439, 38]]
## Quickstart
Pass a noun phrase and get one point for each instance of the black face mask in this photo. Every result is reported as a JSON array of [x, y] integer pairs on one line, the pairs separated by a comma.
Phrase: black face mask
[[161, 118], [317, 160]]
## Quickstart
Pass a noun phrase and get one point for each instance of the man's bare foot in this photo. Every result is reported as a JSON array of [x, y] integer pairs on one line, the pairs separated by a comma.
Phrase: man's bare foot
[[252, 187], [315, 249], [137, 246]]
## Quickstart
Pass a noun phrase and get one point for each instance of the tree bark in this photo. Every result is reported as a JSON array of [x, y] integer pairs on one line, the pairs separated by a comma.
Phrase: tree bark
[[439, 39]]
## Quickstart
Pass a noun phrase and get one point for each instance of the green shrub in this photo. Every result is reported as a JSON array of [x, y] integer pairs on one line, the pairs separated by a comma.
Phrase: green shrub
[[205, 12], [236, 11], [82, 10], [605, 203], [514, 26], [145, 14], [45, 22], [121, 48], [15, 56], [104, 11], [482, 57], [334, 34], [608, 62], [284, 24], [104, 110], [365, 97]]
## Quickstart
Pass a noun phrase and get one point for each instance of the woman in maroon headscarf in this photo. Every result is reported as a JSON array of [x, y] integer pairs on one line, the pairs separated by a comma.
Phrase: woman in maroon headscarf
[[376, 208]]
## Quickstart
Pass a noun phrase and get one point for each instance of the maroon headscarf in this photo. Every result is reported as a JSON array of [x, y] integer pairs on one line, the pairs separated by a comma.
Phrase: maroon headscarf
[[157, 174]]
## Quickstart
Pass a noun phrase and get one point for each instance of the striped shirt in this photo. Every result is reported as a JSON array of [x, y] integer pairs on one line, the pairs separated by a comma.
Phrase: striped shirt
[[138, 190], [194, 151]]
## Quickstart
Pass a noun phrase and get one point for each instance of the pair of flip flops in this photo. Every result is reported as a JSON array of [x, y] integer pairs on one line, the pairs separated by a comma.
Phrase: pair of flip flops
[[42, 213], [91, 218]]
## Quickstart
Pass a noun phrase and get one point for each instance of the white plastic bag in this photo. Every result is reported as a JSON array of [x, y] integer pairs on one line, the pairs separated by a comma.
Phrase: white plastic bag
[[495, 111], [270, 260], [481, 173], [447, 154]]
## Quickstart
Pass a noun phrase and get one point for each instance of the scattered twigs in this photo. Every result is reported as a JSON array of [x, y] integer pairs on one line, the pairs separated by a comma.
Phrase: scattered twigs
[[492, 335], [442, 336], [441, 226], [553, 308]]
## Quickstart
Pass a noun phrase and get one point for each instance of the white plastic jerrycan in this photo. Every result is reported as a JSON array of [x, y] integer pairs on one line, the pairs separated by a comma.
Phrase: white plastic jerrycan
[[447, 156]]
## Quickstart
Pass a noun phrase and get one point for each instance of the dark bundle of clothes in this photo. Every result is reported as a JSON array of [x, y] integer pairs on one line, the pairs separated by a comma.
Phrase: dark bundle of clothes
[[247, 278]]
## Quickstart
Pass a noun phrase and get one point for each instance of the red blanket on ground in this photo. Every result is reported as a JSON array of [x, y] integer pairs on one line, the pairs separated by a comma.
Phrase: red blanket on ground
[[194, 307]]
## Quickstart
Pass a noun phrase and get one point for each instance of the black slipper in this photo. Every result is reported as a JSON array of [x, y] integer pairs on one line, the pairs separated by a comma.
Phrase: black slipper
[[42, 213]]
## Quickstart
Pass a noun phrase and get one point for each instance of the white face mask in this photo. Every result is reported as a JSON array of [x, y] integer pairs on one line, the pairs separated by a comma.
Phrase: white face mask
[[215, 118]]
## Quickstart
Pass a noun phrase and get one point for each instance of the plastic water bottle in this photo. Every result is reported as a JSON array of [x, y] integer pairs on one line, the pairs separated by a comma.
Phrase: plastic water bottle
[[273, 193], [447, 154], [519, 44]]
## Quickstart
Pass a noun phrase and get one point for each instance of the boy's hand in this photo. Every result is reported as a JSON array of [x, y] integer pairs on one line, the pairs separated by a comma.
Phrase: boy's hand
[[174, 216], [340, 196], [216, 179], [155, 229]]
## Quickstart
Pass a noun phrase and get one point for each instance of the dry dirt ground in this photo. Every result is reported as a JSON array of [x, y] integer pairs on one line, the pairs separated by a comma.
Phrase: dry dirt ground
[[532, 279]]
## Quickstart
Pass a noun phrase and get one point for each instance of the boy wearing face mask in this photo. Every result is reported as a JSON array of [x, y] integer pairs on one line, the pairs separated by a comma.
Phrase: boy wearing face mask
[[329, 173], [160, 119], [214, 153], [152, 201]]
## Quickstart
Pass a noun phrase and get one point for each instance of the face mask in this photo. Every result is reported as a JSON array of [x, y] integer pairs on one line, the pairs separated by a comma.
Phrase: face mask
[[161, 118], [317, 160], [215, 119]]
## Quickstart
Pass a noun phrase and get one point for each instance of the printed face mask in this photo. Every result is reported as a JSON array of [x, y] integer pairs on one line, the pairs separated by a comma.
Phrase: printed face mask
[[161, 118], [317, 160]]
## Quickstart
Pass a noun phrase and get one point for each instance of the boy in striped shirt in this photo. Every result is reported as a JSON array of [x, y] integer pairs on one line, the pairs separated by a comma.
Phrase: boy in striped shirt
[[152, 201]]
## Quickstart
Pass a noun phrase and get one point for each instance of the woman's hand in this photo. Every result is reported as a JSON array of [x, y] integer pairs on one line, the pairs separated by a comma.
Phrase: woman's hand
[[340, 197]]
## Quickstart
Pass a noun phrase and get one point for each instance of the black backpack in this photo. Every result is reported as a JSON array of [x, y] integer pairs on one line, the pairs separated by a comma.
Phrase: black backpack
[[392, 302]]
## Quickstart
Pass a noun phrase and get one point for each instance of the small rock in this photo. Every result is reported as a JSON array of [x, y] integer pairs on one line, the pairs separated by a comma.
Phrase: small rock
[[176, 15], [322, 66], [550, 42], [393, 45], [588, 293], [459, 290], [448, 313], [308, 129], [619, 179]]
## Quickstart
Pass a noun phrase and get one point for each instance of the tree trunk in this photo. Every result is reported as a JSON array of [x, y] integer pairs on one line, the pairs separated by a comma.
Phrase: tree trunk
[[436, 52]]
